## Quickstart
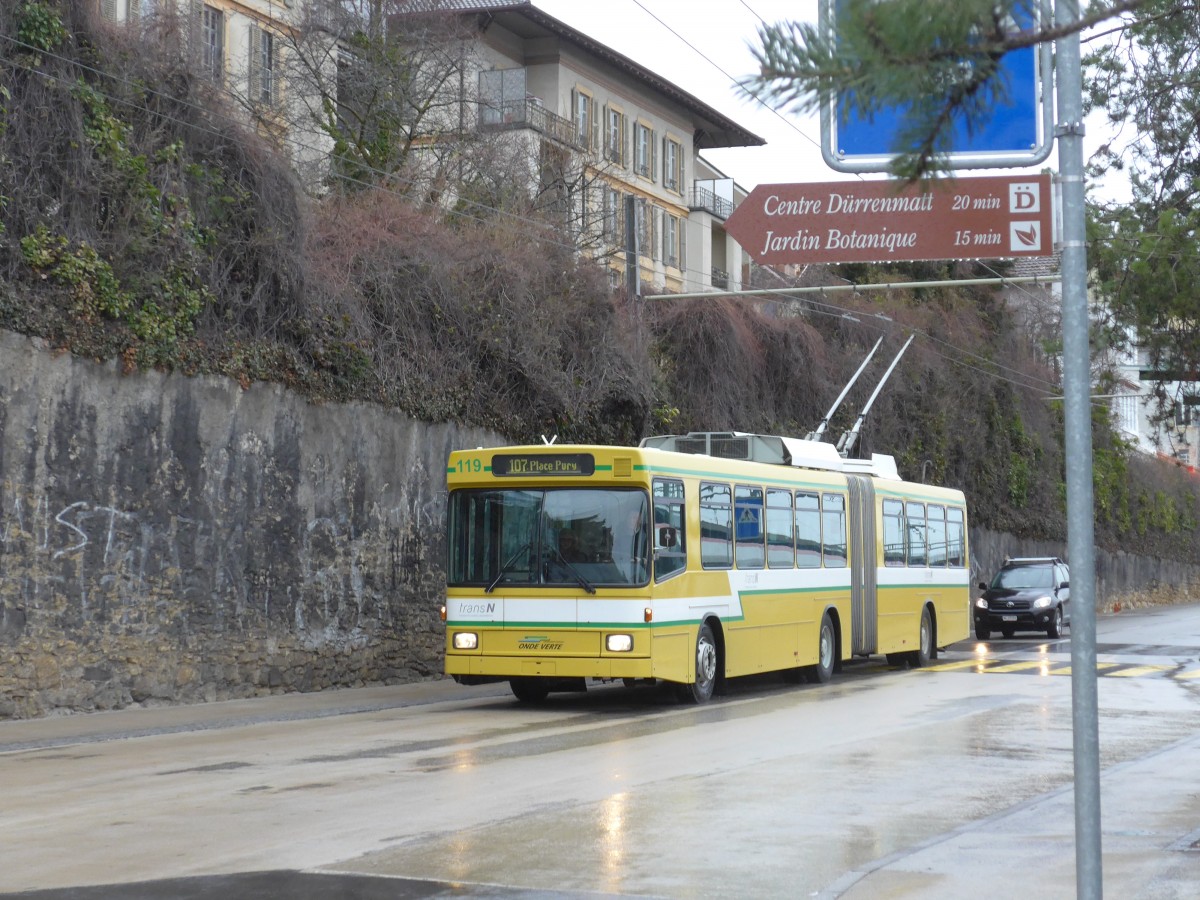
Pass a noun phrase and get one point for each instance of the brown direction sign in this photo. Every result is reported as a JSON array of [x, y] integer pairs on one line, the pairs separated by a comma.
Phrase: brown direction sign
[[884, 221]]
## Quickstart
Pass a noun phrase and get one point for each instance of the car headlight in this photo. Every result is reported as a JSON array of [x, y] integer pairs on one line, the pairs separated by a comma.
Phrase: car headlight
[[466, 640], [981, 604], [1043, 602], [619, 643]]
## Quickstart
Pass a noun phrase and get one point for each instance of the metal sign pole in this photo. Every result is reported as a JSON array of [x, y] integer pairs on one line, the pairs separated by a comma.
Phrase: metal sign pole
[[1080, 525]]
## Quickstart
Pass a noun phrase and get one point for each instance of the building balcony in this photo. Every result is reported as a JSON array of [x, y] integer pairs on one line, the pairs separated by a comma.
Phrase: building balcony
[[720, 279], [705, 200], [528, 113]]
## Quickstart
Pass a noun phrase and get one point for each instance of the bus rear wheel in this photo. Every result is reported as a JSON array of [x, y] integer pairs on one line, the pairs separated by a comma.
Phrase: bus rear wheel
[[925, 650], [701, 690], [822, 672], [529, 690]]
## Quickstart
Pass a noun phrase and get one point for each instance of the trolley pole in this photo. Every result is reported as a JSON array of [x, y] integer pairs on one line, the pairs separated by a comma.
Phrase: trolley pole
[[1089, 879]]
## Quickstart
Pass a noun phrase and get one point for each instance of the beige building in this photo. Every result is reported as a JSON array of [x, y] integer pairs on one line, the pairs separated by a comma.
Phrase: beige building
[[624, 143], [638, 136]]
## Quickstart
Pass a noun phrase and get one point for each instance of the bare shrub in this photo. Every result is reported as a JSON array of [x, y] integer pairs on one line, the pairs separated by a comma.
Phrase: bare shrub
[[478, 322]]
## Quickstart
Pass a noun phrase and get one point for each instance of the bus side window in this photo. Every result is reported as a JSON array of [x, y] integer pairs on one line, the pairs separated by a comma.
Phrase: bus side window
[[917, 554], [748, 514], [670, 543], [716, 525], [808, 530], [833, 530], [893, 533], [956, 550], [937, 535], [780, 551]]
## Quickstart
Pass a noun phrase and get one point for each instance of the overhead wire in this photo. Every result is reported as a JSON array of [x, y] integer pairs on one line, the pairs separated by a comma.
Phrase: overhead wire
[[741, 85]]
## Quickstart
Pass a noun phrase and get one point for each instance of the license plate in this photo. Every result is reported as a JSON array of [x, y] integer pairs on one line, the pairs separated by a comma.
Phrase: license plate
[[1008, 618]]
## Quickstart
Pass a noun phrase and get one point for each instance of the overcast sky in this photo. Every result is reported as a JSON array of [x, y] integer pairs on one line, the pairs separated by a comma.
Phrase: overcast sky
[[720, 31], [657, 35]]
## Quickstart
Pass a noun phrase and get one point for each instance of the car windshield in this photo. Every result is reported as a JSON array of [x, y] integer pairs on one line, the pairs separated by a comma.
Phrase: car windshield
[[1021, 577], [562, 536]]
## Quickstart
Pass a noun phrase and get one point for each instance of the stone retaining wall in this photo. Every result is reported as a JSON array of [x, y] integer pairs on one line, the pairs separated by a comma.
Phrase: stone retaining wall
[[166, 539], [173, 539]]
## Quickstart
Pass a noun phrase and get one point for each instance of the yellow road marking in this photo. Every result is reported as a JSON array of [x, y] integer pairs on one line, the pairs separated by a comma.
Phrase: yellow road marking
[[1017, 666], [961, 664], [1138, 670]]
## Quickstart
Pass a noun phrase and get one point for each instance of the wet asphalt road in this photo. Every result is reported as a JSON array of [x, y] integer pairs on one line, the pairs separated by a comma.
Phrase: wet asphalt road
[[885, 783]]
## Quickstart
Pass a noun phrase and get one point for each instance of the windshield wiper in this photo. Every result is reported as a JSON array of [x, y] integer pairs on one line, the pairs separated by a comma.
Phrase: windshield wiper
[[508, 566], [583, 582]]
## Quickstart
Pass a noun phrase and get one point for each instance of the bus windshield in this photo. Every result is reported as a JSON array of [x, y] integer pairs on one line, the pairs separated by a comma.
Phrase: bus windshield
[[558, 536]]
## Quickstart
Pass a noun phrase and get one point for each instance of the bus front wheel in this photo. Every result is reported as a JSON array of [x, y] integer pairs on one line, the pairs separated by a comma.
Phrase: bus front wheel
[[822, 672], [701, 690], [529, 690]]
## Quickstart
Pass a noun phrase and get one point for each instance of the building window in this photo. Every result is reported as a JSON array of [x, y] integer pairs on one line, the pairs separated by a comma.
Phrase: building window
[[614, 135], [212, 43], [502, 96], [672, 165], [587, 128], [614, 216], [643, 154], [263, 87], [645, 228], [671, 232]]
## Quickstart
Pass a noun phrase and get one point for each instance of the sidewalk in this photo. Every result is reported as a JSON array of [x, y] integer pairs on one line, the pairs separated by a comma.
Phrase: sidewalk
[[1150, 843], [82, 728]]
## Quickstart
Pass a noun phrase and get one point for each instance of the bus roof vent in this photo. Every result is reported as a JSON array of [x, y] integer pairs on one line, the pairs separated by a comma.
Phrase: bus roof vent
[[768, 448], [729, 446], [685, 444]]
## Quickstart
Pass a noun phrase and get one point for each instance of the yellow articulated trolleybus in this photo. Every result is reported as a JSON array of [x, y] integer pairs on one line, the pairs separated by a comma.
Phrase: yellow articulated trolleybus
[[691, 559]]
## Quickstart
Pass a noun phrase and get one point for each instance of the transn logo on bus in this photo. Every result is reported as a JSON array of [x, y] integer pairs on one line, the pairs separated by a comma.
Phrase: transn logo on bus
[[477, 609]]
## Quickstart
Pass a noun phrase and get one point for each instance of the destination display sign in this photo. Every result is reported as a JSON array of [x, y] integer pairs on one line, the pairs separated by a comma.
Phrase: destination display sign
[[885, 221], [547, 465]]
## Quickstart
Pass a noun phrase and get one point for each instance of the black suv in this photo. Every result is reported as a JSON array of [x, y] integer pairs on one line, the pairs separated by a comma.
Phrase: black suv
[[1029, 594]]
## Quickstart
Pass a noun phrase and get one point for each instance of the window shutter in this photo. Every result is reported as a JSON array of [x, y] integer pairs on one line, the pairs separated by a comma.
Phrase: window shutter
[[606, 147], [108, 9], [624, 141], [255, 68], [653, 157], [575, 114], [655, 229], [597, 128], [683, 243]]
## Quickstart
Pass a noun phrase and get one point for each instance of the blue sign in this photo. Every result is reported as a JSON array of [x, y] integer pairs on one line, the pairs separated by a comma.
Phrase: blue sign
[[1018, 133]]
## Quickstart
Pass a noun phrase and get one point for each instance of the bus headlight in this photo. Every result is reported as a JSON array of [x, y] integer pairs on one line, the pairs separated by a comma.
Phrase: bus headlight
[[619, 643], [466, 640]]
